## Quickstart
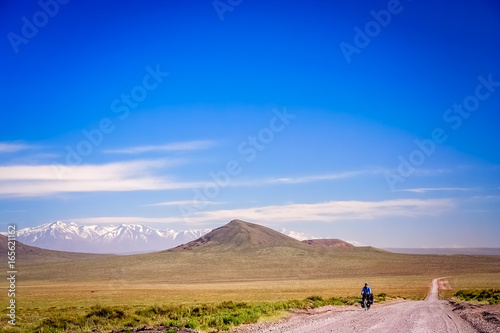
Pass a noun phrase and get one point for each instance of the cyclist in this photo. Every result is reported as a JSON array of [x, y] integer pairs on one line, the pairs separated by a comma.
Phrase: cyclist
[[366, 292]]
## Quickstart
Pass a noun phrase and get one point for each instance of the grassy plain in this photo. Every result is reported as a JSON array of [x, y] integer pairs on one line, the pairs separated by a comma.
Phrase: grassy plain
[[40, 294], [470, 281], [42, 304]]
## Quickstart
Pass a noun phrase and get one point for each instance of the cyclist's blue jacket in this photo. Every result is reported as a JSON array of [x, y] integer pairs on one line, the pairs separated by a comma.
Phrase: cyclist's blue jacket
[[366, 290]]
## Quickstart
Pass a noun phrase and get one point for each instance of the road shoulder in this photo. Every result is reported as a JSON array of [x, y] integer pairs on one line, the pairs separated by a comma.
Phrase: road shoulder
[[483, 317]]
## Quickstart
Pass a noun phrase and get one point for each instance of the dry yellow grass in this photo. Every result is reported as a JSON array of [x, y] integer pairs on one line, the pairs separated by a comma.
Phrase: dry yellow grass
[[471, 281], [38, 294]]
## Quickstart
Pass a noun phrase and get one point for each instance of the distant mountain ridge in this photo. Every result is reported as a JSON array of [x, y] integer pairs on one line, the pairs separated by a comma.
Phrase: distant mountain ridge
[[26, 253], [336, 243], [113, 239], [116, 239], [485, 251]]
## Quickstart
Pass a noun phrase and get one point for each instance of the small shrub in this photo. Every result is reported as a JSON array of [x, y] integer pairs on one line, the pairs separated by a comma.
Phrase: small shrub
[[492, 296], [231, 305], [105, 312], [192, 325], [151, 311], [336, 301], [315, 298]]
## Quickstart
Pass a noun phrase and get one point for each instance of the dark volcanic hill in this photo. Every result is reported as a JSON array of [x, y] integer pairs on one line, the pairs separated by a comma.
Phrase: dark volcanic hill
[[335, 243], [238, 234]]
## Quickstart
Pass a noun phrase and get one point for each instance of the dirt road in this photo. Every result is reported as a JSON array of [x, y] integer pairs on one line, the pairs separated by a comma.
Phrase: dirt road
[[431, 315]]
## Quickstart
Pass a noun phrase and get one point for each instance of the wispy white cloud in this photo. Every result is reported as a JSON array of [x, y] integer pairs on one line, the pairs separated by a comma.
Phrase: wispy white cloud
[[431, 172], [485, 197], [27, 180], [303, 179], [193, 203], [10, 147], [356, 243], [331, 211], [40, 156], [322, 177], [175, 146], [332, 177], [119, 220], [430, 189], [36, 180], [34, 159]]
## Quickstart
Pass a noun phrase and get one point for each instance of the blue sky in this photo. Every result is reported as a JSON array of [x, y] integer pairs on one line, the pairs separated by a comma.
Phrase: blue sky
[[373, 121]]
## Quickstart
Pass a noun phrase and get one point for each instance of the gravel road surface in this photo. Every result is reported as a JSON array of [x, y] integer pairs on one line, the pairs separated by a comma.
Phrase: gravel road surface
[[431, 315]]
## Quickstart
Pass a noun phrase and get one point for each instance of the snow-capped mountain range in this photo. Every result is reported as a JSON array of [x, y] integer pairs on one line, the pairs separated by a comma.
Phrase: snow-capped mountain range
[[116, 239]]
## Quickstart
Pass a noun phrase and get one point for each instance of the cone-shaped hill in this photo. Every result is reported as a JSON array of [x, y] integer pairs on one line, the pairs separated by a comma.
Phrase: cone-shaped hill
[[238, 234]]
